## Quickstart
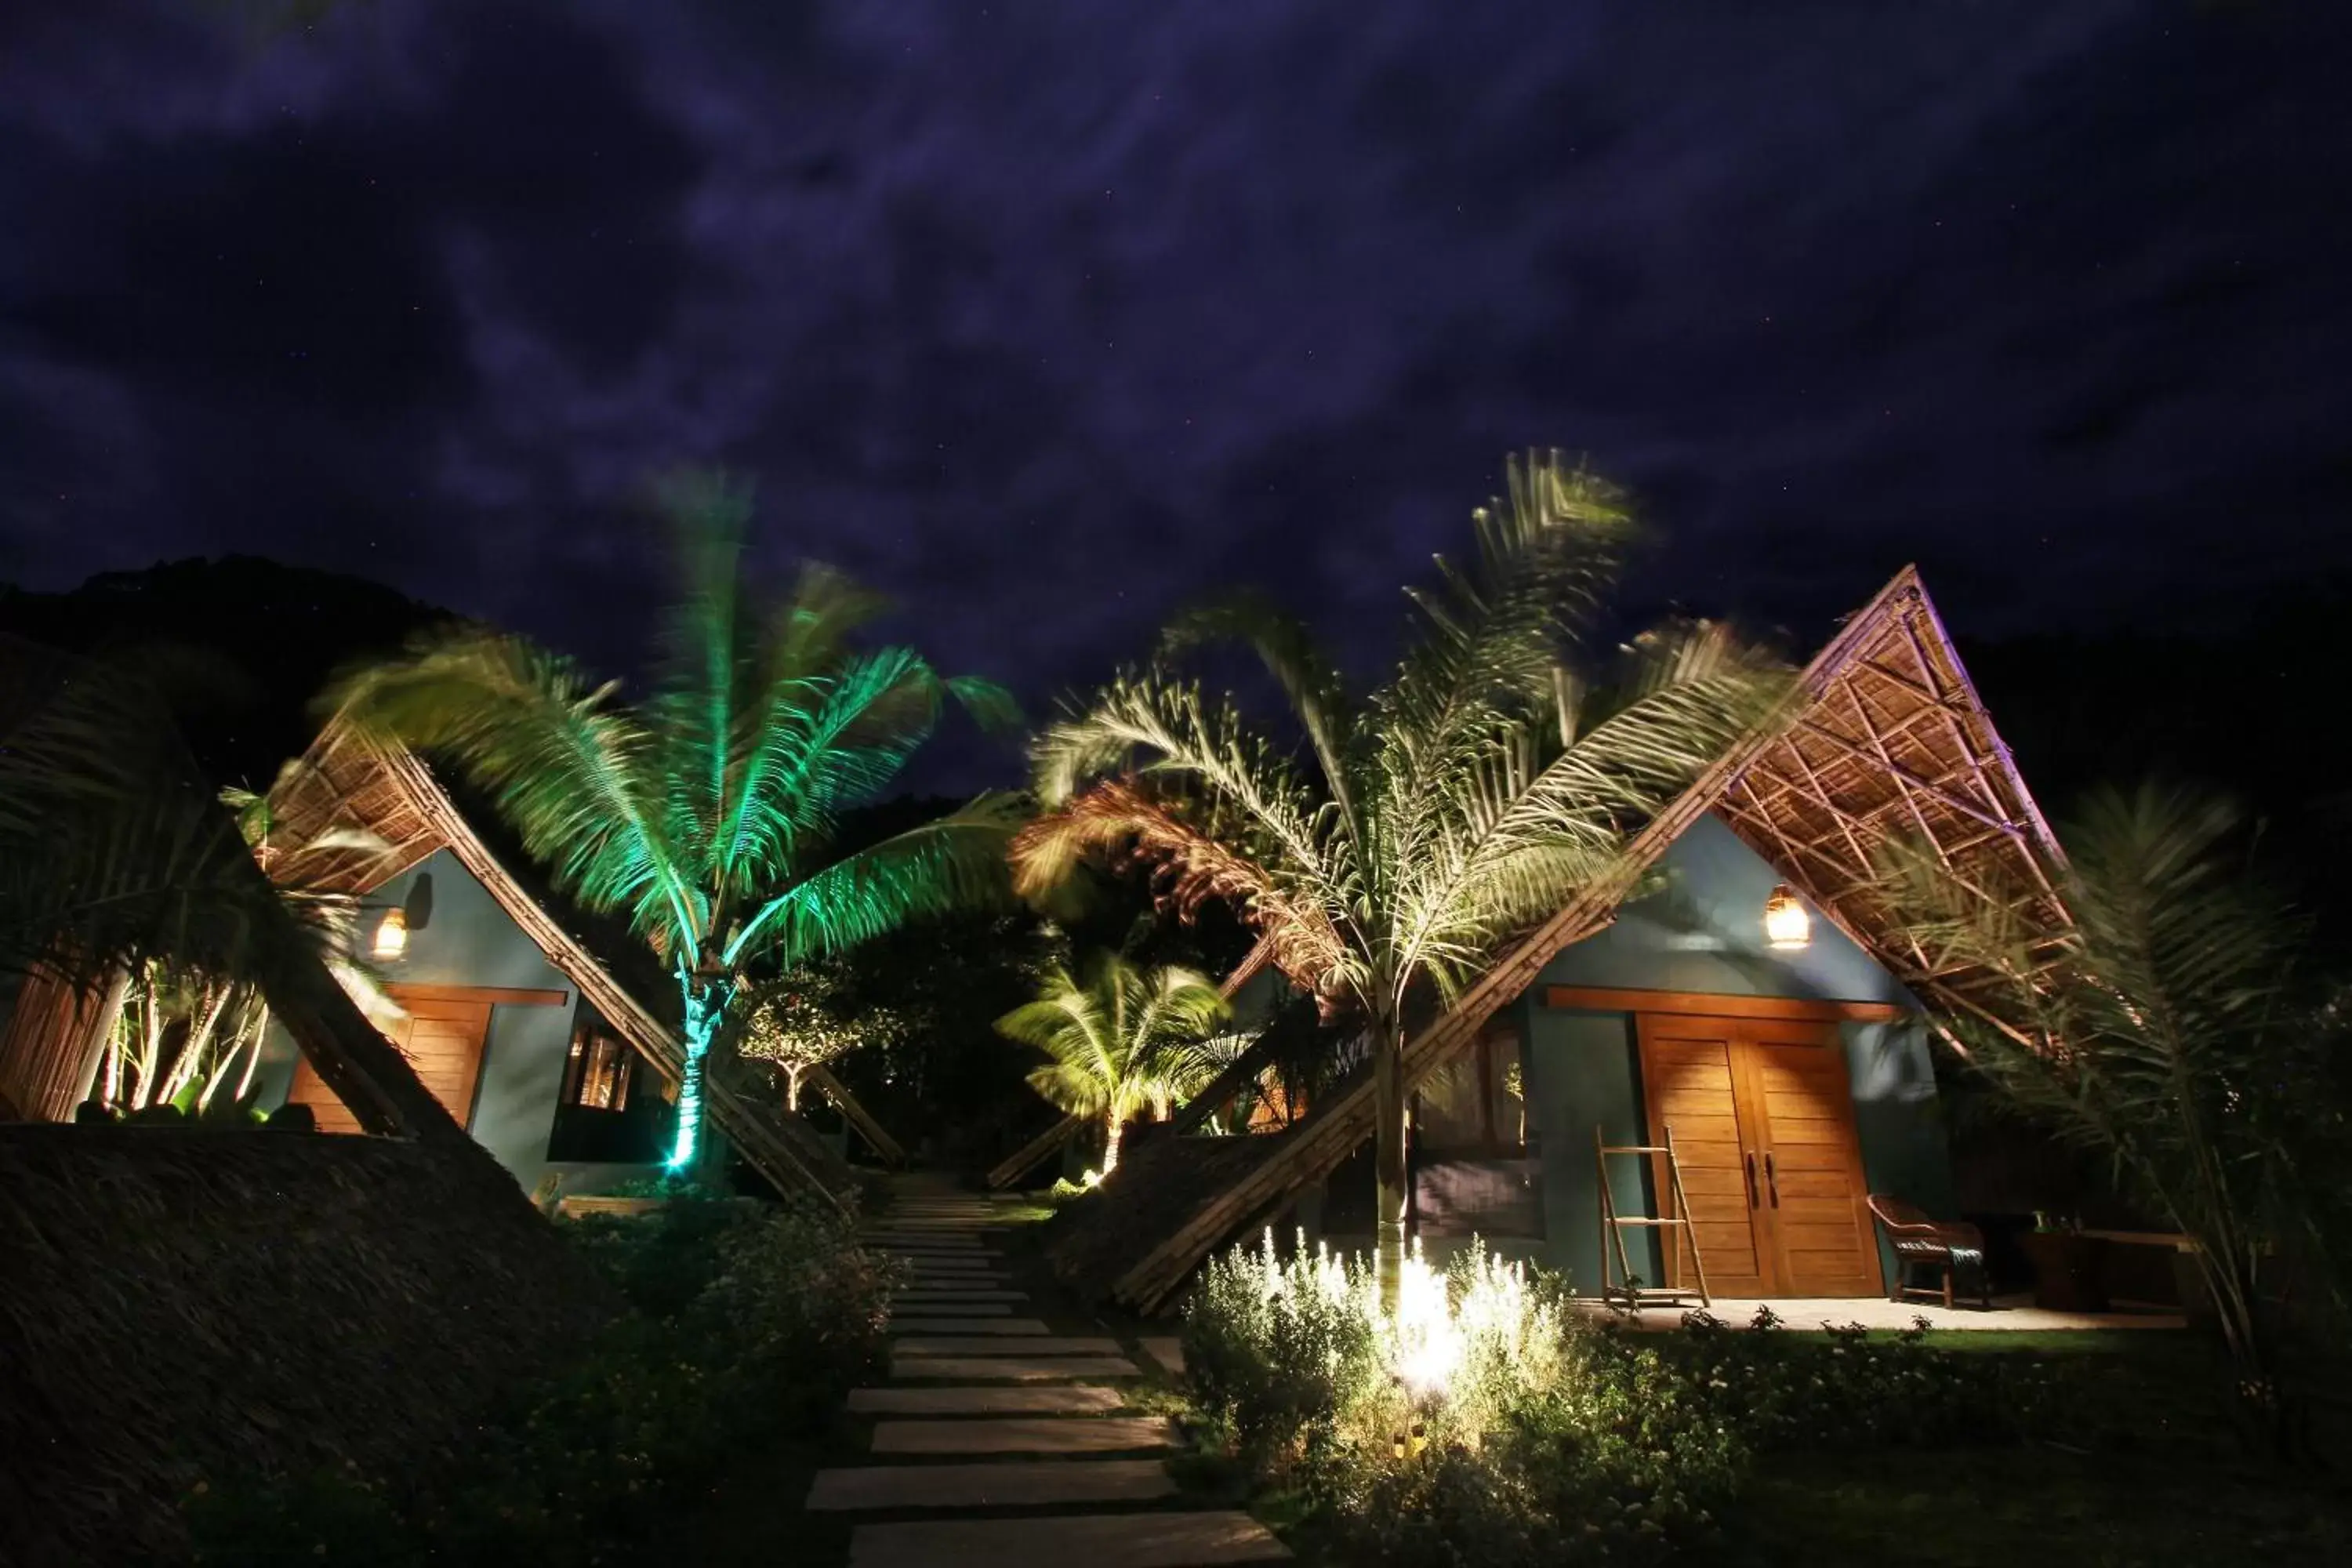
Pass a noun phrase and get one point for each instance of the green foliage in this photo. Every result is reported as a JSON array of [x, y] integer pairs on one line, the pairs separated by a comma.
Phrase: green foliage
[[811, 1014], [1849, 1390], [706, 810], [1469, 797], [745, 1325], [1119, 1041], [2174, 1032], [1276, 1349]]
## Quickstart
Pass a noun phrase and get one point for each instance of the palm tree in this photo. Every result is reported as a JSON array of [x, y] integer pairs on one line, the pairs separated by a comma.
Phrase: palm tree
[[1431, 819], [707, 810], [1121, 1040], [2170, 1034]]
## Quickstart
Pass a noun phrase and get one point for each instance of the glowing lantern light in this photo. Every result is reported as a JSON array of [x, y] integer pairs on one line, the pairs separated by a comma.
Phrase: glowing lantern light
[[391, 936], [1787, 926]]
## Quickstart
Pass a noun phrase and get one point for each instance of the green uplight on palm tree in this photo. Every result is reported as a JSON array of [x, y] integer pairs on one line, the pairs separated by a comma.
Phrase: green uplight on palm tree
[[707, 812]]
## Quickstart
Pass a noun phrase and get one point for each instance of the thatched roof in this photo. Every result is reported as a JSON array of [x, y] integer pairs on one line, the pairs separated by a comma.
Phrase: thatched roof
[[1162, 1179], [1892, 743], [1885, 737], [348, 779], [181, 1305]]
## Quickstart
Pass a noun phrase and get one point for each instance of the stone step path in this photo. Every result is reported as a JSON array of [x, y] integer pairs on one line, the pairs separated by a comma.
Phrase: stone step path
[[992, 1406], [1025, 1434], [968, 1326], [1098, 1540]]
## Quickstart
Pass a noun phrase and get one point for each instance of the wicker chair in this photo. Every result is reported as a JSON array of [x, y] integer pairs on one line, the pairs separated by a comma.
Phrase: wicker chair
[[1955, 1250]]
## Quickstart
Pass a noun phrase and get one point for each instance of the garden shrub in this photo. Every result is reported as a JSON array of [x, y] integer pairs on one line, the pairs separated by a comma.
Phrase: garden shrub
[[1850, 1390], [746, 1323], [1487, 1422]]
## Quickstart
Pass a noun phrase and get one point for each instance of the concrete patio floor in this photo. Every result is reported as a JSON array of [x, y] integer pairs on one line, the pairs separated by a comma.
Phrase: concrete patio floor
[[2013, 1314]]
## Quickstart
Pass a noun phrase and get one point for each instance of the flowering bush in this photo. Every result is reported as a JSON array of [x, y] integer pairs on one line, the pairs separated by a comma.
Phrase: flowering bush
[[1479, 1421], [1484, 1421]]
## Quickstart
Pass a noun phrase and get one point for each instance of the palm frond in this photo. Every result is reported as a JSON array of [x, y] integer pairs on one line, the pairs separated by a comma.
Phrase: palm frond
[[1193, 866], [1165, 728], [1308, 678], [1490, 637], [1118, 1039], [577, 776], [955, 862]]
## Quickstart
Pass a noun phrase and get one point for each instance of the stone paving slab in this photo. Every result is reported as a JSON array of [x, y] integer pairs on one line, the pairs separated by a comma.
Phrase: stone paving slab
[[1025, 1434], [1011, 1368], [980, 1344], [930, 1249], [1015, 1326], [940, 1263], [919, 1295], [1126, 1539], [996, 1399], [960, 1307], [1010, 1484], [1167, 1349]]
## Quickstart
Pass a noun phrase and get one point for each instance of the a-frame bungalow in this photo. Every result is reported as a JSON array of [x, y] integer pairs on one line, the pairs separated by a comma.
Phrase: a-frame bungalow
[[1798, 1080], [542, 1028]]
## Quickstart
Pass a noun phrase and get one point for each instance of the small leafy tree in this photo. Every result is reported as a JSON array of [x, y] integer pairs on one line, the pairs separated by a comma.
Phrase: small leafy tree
[[809, 1016], [707, 811], [1485, 784], [1119, 1041], [2172, 1035]]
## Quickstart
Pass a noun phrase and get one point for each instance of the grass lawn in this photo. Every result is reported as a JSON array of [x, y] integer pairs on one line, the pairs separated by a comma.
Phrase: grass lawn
[[2163, 1479]]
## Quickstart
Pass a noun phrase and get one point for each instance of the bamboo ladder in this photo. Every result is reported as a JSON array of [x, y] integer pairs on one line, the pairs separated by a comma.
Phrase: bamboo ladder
[[1613, 1226]]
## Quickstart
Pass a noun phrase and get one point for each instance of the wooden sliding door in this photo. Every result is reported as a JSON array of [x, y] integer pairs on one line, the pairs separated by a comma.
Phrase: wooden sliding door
[[1763, 1125]]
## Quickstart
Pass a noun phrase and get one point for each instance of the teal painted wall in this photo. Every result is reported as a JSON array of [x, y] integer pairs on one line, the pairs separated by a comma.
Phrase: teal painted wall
[[469, 941], [1702, 932]]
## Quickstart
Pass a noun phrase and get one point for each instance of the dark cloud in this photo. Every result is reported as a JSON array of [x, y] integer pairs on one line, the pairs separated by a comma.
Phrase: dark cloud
[[1048, 318]]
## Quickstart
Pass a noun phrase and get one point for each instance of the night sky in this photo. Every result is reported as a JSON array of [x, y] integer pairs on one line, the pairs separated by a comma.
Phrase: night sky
[[1048, 318]]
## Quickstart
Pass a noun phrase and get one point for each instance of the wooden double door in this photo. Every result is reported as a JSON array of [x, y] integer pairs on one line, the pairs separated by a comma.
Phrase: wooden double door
[[1763, 1130]]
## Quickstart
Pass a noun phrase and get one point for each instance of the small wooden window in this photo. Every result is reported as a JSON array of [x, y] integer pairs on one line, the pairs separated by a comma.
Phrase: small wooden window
[[1475, 1104], [599, 1075]]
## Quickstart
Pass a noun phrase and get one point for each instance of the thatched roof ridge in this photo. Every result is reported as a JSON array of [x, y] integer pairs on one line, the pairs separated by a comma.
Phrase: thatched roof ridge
[[1884, 735]]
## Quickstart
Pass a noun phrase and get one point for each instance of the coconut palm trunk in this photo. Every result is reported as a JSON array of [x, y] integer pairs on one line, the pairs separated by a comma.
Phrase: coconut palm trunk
[[1389, 1193], [707, 999], [1114, 1130]]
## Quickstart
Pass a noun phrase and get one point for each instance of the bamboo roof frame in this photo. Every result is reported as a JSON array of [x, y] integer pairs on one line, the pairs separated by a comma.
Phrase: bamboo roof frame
[[349, 779], [1884, 736]]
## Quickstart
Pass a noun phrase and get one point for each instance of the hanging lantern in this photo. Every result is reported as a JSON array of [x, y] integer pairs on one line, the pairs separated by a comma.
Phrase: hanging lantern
[[1787, 926], [391, 936]]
